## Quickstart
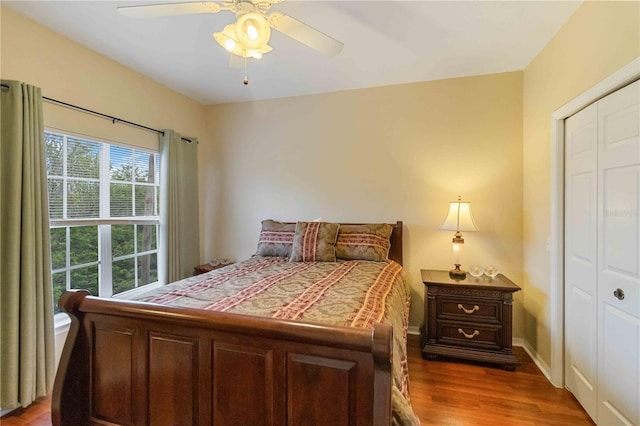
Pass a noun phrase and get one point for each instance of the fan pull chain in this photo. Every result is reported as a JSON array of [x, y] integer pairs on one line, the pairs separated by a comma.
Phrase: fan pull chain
[[246, 79]]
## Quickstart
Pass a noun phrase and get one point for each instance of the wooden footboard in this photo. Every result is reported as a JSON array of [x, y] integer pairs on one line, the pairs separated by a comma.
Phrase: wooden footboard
[[128, 363]]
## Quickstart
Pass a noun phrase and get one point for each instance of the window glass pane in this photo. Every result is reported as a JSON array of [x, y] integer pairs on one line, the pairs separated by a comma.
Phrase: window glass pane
[[145, 167], [83, 158], [157, 163], [59, 286], [120, 160], [122, 240], [85, 278], [54, 154], [58, 248], [123, 275], [145, 198], [83, 199], [147, 269], [120, 199], [146, 237], [83, 244], [55, 189]]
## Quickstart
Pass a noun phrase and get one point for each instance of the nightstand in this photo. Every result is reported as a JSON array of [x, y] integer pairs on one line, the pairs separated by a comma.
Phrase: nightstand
[[208, 267], [468, 319]]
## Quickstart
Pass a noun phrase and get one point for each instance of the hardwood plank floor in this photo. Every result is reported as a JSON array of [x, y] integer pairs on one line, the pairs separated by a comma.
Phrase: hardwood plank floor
[[450, 393], [446, 393], [37, 414]]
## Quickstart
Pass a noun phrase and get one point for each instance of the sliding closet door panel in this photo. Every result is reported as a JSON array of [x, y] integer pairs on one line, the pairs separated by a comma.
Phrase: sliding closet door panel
[[581, 183], [619, 257]]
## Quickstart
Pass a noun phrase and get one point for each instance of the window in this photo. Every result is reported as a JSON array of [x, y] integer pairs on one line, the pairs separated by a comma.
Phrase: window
[[103, 212]]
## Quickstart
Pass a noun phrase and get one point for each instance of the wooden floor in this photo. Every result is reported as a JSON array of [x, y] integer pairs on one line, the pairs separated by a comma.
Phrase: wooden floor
[[446, 393], [37, 414]]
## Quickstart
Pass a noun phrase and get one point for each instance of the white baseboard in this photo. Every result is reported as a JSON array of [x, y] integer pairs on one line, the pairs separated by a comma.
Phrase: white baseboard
[[537, 359], [413, 330]]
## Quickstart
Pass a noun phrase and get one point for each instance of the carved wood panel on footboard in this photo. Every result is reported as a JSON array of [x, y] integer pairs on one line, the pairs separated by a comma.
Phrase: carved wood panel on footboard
[[127, 363]]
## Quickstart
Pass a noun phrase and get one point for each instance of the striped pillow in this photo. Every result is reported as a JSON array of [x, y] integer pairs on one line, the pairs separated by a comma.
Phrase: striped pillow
[[314, 242], [364, 242], [276, 239]]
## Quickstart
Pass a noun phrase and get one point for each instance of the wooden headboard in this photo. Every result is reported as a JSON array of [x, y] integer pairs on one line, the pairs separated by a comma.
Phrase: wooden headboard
[[395, 252]]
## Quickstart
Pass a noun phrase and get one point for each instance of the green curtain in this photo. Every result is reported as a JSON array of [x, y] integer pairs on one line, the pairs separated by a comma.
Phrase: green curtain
[[179, 233], [26, 339]]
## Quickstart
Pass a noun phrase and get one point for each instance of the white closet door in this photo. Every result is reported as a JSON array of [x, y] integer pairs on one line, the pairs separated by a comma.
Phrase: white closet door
[[619, 258], [581, 184]]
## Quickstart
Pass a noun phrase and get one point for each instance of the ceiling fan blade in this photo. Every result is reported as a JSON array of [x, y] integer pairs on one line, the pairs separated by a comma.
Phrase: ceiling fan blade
[[305, 34], [169, 9]]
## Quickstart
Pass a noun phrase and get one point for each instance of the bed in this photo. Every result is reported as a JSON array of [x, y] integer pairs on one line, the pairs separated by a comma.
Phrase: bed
[[285, 337]]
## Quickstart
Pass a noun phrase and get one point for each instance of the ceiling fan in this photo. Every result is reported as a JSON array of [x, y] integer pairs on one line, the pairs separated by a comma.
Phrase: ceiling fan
[[249, 35]]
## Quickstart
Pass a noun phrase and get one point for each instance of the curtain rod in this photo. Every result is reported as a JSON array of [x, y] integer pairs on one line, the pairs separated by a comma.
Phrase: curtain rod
[[113, 119]]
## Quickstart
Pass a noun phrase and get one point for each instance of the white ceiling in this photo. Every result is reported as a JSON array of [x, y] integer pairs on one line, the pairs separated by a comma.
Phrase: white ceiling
[[385, 42]]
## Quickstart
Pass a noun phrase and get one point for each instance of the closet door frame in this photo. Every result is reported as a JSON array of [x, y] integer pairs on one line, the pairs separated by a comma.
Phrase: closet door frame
[[617, 80]]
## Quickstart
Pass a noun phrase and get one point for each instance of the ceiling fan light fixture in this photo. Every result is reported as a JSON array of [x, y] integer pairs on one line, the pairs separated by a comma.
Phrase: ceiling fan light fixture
[[252, 30], [249, 35], [230, 44], [235, 48], [226, 39], [257, 53]]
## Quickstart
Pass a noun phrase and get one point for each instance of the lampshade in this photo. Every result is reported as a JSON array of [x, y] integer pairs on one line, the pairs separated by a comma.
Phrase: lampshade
[[228, 38], [459, 217], [252, 31], [257, 53]]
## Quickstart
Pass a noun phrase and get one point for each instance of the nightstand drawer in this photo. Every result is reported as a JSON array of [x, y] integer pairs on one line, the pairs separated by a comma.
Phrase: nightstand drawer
[[473, 310], [481, 336]]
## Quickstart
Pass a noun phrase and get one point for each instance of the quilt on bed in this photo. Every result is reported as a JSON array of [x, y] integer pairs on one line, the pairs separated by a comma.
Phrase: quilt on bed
[[344, 293]]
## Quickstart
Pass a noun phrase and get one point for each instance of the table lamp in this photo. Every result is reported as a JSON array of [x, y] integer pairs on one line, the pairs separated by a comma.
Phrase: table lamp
[[458, 219]]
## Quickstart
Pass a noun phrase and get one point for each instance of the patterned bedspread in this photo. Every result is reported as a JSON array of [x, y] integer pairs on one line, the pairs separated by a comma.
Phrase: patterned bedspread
[[344, 293]]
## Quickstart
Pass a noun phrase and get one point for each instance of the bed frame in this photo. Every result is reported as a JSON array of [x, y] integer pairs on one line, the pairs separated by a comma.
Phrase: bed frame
[[133, 363]]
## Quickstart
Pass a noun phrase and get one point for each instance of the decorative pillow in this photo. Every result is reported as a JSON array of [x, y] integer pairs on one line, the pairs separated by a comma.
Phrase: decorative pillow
[[314, 242], [364, 242], [276, 238]]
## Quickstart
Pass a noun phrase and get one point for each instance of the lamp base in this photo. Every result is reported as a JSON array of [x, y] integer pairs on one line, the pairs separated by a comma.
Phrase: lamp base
[[457, 273]]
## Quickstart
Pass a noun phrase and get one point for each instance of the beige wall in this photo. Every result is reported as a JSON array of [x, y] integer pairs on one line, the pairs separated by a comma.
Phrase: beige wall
[[69, 72], [380, 154], [599, 39]]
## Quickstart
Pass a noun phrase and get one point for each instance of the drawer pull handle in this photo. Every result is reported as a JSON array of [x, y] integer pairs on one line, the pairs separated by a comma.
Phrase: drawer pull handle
[[468, 311], [469, 336]]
